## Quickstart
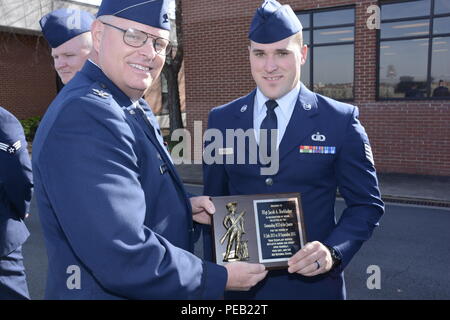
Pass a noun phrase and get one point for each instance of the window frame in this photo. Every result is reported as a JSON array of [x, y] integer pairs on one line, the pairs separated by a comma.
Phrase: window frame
[[430, 18], [311, 44]]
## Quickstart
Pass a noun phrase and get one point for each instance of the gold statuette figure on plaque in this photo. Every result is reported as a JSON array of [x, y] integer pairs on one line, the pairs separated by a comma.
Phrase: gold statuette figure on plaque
[[234, 224]]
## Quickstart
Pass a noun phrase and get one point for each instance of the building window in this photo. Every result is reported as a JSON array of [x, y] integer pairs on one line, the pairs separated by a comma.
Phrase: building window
[[330, 36], [414, 50]]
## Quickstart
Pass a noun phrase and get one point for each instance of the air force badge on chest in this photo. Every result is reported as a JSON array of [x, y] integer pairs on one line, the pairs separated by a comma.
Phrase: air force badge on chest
[[316, 146]]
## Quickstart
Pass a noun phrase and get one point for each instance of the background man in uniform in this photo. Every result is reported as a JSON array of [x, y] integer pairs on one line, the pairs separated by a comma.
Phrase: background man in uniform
[[16, 184], [68, 33], [112, 205], [302, 119]]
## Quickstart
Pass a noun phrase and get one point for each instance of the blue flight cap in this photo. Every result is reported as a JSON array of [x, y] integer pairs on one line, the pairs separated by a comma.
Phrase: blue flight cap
[[151, 12], [64, 24], [273, 22]]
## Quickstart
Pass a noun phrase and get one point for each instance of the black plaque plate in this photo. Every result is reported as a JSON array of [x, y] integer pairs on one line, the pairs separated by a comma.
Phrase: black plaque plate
[[262, 228]]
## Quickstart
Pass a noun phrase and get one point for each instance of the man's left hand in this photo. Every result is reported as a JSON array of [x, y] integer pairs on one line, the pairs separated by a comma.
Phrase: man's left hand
[[202, 209], [313, 259]]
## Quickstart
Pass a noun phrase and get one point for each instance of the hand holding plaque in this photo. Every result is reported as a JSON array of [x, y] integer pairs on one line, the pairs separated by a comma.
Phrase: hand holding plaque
[[266, 229]]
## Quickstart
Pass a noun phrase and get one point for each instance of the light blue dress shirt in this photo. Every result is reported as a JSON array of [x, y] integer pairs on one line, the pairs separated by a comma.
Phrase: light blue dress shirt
[[286, 105]]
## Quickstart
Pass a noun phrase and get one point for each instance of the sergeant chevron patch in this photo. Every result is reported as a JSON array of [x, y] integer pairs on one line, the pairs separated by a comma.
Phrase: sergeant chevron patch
[[369, 154], [11, 149]]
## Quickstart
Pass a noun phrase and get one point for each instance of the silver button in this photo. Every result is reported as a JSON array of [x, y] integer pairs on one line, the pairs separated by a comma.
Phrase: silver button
[[269, 181]]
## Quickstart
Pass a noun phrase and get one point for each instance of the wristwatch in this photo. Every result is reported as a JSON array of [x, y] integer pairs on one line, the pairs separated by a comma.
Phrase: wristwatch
[[335, 257]]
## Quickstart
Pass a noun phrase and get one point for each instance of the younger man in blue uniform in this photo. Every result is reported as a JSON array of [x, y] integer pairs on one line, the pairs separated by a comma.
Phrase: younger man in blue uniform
[[68, 32], [320, 146], [16, 184], [114, 211]]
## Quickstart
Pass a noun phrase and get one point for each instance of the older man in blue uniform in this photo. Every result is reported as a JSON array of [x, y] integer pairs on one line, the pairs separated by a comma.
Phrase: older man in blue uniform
[[320, 147], [114, 211], [68, 32], [16, 184]]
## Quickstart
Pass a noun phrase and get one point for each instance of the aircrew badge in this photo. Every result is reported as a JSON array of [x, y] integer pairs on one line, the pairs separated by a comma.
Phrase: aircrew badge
[[318, 137]]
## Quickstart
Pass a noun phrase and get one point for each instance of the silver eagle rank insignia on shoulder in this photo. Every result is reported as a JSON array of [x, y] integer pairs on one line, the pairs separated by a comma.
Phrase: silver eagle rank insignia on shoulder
[[100, 93]]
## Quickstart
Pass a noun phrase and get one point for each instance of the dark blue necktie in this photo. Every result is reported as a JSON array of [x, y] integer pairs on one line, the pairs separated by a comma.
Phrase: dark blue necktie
[[269, 123]]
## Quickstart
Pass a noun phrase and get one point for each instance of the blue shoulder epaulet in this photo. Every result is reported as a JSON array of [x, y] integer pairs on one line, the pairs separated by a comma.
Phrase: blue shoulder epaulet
[[99, 92]]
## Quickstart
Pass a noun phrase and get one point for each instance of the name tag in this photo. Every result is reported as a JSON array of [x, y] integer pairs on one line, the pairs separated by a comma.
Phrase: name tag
[[225, 151]]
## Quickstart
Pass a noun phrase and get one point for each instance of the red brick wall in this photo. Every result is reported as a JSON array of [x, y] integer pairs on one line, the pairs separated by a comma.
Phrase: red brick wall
[[27, 77], [407, 137]]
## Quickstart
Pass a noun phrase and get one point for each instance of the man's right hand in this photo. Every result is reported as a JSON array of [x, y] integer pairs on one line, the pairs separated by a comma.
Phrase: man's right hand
[[242, 275]]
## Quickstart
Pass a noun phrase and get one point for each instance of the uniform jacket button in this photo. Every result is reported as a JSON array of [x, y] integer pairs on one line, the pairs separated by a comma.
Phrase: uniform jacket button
[[269, 181]]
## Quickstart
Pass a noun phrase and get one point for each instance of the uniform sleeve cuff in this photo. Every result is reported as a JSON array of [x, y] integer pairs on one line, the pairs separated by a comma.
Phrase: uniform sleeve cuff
[[214, 281]]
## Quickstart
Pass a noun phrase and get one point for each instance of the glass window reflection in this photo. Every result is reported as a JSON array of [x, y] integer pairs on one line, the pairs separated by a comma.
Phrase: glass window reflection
[[333, 71], [306, 37], [406, 9], [331, 35], [405, 29], [304, 20], [440, 67], [441, 6], [336, 17], [305, 74], [403, 69], [441, 25]]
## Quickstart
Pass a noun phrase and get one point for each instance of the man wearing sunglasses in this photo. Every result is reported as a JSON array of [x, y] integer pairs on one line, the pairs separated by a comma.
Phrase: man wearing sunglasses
[[115, 215]]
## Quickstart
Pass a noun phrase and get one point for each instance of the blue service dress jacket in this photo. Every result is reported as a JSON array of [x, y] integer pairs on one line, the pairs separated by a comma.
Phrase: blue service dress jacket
[[341, 159], [16, 186], [111, 203]]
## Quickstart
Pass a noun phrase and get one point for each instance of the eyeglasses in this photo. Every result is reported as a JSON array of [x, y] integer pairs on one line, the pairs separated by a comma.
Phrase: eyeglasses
[[136, 38]]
